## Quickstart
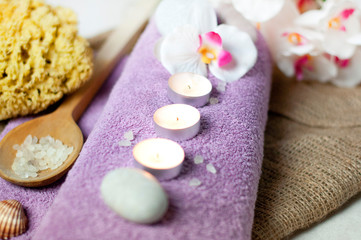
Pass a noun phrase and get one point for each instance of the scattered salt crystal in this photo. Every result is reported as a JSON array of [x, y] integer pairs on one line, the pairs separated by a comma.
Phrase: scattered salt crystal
[[221, 86], [124, 143], [129, 135], [213, 101], [198, 159], [211, 168], [36, 154], [194, 182]]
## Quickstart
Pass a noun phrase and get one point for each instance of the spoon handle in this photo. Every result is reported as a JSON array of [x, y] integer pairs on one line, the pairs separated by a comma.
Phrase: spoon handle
[[119, 43]]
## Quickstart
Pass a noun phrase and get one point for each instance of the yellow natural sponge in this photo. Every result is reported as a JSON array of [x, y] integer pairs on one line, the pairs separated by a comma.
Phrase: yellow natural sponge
[[41, 56]]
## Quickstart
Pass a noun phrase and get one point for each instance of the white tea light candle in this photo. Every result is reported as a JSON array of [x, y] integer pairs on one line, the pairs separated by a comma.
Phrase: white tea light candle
[[163, 158], [177, 122], [189, 88]]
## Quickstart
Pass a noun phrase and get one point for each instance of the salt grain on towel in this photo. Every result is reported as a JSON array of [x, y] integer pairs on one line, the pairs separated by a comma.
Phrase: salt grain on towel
[[194, 182], [198, 159]]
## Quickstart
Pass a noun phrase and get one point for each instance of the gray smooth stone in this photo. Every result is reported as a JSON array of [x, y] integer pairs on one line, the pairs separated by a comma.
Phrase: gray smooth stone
[[135, 195]]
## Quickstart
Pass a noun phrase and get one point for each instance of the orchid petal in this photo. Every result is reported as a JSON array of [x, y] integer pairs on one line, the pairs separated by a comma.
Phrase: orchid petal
[[178, 52], [349, 76], [311, 18], [258, 10], [355, 39], [306, 42], [273, 29], [323, 69], [358, 3], [318, 68], [231, 16], [218, 3], [175, 13], [336, 44], [224, 58], [299, 50], [212, 38], [285, 64], [350, 25], [243, 50]]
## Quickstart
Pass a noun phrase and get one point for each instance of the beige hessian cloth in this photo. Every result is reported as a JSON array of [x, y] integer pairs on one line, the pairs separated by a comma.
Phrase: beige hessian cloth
[[312, 162]]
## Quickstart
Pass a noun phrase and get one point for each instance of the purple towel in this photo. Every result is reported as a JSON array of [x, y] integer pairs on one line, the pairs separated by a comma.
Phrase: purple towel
[[37, 201], [231, 138]]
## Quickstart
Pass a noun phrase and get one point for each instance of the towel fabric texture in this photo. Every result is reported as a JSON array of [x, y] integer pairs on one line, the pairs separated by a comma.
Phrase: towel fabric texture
[[231, 138], [312, 162], [36, 201]]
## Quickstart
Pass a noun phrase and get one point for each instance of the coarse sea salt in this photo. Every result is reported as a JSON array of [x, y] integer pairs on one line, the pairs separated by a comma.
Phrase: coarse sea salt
[[211, 168], [35, 155], [124, 143], [129, 135], [221, 86], [194, 182], [198, 159], [213, 101]]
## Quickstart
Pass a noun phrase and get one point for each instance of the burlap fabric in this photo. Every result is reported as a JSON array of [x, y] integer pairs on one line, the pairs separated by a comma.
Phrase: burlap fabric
[[312, 161]]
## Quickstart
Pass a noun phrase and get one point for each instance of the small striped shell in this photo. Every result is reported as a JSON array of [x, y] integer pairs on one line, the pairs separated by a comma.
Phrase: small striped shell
[[13, 221]]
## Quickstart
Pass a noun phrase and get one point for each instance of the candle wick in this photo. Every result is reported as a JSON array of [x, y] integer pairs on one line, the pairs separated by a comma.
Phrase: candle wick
[[189, 86]]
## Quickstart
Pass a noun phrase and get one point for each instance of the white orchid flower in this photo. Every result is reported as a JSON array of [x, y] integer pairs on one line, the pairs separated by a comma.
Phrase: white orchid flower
[[275, 29], [340, 24], [193, 40], [299, 41], [258, 10], [307, 67], [312, 18]]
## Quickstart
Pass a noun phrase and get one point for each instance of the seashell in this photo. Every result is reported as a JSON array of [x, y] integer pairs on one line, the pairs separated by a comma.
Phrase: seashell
[[13, 221]]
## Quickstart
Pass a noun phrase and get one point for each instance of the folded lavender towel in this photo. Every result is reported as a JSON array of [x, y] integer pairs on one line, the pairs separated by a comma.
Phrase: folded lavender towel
[[231, 138], [36, 201]]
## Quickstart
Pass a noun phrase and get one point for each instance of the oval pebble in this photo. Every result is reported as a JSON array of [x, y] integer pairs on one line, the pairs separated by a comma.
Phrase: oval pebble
[[135, 195]]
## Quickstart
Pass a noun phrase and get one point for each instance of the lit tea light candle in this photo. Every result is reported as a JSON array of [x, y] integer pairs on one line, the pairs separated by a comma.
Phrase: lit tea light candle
[[189, 88], [163, 158], [177, 122]]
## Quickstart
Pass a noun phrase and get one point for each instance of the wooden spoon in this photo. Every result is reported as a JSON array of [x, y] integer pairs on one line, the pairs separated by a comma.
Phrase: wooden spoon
[[61, 123]]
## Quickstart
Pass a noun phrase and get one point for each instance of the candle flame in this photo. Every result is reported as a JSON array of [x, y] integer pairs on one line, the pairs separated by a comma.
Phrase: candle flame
[[177, 119], [156, 159]]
